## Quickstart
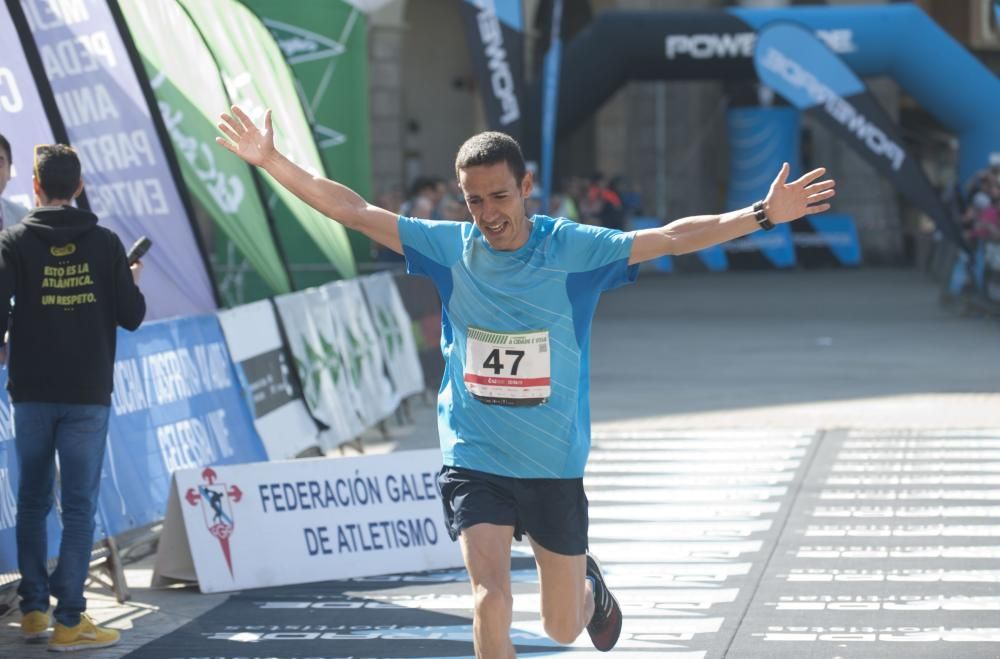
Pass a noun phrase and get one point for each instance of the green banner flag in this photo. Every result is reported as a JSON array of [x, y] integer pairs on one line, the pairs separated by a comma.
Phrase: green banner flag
[[326, 45], [190, 93], [257, 77]]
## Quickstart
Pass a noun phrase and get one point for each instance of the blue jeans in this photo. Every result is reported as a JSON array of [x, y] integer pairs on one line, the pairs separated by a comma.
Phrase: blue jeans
[[78, 434]]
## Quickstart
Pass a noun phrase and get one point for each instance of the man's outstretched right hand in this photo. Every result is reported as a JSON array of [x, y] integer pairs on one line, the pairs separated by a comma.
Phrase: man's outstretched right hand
[[336, 201], [245, 139]]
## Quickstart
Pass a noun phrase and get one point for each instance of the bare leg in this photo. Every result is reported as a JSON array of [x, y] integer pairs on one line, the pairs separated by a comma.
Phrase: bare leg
[[486, 549], [567, 596]]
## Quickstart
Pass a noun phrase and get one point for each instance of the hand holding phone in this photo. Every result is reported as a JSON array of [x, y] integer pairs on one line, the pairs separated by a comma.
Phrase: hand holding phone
[[138, 249]]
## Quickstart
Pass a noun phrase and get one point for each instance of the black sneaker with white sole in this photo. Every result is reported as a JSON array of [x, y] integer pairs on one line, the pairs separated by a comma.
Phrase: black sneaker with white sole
[[606, 625]]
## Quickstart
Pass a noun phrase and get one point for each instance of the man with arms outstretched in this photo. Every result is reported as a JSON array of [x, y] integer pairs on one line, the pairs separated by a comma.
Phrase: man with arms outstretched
[[518, 294]]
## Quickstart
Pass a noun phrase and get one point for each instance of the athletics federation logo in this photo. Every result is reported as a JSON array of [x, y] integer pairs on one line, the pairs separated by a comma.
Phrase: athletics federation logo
[[216, 502]]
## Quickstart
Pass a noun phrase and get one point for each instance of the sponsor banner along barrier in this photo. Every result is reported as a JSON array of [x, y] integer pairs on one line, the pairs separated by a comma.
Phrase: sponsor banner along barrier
[[339, 357], [371, 390], [186, 396], [326, 519], [129, 183], [190, 94], [320, 353], [269, 380], [392, 324], [24, 118], [257, 78], [176, 404]]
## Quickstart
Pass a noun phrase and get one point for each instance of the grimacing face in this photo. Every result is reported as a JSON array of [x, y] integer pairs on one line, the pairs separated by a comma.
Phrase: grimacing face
[[496, 203]]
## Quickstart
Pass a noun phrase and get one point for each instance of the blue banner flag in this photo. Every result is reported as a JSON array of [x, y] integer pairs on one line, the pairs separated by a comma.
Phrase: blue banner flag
[[128, 180], [796, 64], [550, 103], [494, 30], [24, 121]]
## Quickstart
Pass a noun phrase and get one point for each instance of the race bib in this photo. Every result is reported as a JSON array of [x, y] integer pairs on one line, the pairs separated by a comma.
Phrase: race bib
[[508, 368]]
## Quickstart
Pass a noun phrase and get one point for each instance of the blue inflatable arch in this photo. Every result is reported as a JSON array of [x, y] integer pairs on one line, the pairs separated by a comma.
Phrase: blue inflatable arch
[[897, 40]]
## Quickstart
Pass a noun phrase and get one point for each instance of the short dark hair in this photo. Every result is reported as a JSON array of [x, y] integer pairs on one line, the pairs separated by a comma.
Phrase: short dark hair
[[490, 148], [5, 145], [57, 168]]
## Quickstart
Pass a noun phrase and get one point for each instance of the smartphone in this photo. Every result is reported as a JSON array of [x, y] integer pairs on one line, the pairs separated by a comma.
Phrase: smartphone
[[138, 249]]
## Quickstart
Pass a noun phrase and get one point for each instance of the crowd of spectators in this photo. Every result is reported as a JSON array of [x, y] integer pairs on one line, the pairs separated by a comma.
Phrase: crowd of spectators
[[433, 198], [595, 200], [429, 197]]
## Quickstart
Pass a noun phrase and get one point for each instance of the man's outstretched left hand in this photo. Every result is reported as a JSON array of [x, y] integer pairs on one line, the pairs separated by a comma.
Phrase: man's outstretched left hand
[[805, 196]]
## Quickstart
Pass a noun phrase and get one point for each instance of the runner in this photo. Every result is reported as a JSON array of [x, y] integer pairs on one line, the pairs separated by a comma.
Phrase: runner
[[518, 295]]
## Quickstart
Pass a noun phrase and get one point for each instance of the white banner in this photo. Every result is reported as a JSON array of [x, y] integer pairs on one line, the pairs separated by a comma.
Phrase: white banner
[[371, 391], [393, 325], [322, 359], [277, 523], [257, 350]]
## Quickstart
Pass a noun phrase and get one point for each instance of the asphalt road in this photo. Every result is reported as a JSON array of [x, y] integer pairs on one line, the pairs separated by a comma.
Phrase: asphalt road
[[810, 349]]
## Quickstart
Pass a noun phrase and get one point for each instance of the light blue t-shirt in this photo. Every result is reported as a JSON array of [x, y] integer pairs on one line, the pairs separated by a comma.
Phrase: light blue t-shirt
[[514, 399]]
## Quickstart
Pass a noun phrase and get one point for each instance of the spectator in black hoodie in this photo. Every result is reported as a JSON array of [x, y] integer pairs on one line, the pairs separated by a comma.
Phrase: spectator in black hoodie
[[72, 288]]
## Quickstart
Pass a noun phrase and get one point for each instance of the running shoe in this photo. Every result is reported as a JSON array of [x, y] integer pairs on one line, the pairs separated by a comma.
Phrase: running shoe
[[606, 625]]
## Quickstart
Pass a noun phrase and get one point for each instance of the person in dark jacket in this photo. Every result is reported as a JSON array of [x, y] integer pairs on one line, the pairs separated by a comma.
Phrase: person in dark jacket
[[72, 287]]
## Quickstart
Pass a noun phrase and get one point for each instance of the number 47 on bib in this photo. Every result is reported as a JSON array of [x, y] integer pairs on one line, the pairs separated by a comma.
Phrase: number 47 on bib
[[508, 368]]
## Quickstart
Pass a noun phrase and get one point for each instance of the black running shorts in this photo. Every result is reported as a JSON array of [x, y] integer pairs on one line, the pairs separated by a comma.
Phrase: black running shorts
[[552, 511]]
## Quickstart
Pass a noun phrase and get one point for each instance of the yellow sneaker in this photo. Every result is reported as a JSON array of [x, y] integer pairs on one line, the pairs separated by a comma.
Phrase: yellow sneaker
[[35, 625], [84, 636]]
